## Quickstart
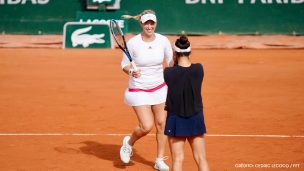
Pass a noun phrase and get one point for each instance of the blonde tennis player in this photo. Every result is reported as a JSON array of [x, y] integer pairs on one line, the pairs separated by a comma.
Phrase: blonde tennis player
[[147, 90]]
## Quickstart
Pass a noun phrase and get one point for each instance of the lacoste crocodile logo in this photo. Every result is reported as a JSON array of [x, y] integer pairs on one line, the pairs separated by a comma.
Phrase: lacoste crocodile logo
[[79, 38], [101, 1]]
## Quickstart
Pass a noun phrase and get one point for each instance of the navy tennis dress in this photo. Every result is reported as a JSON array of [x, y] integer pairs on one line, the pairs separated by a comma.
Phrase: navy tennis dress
[[184, 101]]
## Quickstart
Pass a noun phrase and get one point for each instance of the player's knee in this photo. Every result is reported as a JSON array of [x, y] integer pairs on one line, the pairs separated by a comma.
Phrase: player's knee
[[200, 159], [146, 128], [178, 157], [160, 126]]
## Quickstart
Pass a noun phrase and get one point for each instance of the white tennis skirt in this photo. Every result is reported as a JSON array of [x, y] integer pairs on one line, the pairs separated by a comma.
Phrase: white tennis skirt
[[139, 98]]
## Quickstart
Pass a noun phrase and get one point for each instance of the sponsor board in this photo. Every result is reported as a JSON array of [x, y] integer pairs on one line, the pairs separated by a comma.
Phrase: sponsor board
[[86, 35], [100, 1], [103, 18], [101, 5], [245, 1], [23, 2]]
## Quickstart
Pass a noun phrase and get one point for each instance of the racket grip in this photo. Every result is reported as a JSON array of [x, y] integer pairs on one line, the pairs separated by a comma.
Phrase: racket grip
[[134, 66]]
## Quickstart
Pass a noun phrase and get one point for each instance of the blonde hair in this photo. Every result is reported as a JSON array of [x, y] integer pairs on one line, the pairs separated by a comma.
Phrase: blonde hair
[[137, 17]]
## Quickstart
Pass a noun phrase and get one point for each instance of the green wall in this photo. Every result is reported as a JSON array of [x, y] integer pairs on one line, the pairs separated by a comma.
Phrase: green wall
[[37, 16], [174, 16], [230, 16]]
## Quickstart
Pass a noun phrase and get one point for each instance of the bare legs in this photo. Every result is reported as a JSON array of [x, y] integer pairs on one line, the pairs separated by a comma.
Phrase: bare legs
[[147, 116], [160, 116], [197, 144], [177, 152], [199, 153]]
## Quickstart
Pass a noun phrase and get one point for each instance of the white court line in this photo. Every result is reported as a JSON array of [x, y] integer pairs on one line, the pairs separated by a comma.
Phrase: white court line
[[92, 134]]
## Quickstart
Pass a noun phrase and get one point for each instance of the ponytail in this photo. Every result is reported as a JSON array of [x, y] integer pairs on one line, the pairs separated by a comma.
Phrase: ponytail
[[137, 17]]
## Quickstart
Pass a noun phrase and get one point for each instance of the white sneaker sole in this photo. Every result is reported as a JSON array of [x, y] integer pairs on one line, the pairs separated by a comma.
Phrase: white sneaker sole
[[125, 161], [155, 167]]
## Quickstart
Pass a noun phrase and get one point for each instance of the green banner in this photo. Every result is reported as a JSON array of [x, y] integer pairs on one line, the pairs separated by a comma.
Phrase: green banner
[[86, 35], [102, 17], [37, 16], [221, 16], [174, 16]]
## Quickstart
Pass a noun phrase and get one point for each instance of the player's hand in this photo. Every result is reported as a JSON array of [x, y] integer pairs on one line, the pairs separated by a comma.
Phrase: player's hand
[[134, 73]]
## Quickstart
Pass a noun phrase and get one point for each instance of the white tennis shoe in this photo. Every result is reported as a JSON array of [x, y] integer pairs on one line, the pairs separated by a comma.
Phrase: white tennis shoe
[[160, 164], [125, 150]]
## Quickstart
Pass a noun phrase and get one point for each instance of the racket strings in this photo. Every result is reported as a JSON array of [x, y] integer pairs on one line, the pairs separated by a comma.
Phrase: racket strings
[[117, 34]]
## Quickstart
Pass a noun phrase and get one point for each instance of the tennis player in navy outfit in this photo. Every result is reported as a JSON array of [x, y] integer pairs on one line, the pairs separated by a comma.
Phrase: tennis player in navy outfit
[[185, 119]]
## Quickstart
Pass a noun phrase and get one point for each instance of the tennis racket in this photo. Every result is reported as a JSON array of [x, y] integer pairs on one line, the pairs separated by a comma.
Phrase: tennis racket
[[120, 40]]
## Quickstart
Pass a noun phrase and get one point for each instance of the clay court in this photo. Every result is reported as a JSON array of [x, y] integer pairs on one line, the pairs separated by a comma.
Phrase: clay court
[[63, 110]]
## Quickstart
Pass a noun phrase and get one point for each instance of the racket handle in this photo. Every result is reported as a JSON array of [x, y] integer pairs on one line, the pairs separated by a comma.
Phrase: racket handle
[[134, 66]]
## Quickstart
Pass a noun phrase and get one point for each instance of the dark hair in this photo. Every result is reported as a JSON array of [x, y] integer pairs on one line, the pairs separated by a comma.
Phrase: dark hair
[[183, 43]]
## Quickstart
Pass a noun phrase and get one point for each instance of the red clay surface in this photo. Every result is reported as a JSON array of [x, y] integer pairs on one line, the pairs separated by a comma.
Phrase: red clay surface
[[246, 92]]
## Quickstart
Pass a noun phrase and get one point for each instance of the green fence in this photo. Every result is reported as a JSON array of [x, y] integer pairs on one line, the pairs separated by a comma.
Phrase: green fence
[[174, 16]]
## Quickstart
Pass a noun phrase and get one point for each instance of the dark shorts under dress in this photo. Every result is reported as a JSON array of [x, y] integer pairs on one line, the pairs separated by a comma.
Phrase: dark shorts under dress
[[178, 126]]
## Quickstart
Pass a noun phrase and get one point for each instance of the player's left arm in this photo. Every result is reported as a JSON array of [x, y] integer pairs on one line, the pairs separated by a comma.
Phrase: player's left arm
[[168, 53]]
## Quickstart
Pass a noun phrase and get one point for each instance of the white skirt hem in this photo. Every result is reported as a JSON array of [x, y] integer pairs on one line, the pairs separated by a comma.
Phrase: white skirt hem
[[146, 98]]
